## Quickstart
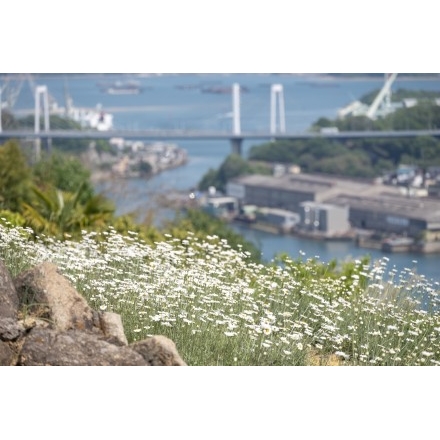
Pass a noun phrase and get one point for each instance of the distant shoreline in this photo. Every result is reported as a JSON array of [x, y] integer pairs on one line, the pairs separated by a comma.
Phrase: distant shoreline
[[320, 76]]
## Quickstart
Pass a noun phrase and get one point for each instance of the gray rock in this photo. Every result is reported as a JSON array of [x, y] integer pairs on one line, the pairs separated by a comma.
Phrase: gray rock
[[10, 329], [7, 355], [111, 325], [158, 351], [9, 302], [74, 348], [49, 295], [45, 321]]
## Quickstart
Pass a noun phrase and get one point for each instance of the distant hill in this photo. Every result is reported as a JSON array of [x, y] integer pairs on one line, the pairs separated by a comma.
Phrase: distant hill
[[380, 75]]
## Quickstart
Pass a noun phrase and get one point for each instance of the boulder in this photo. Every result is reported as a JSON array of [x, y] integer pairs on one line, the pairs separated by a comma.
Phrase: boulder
[[10, 329], [44, 346], [45, 321], [158, 351], [111, 325], [7, 354], [9, 302], [49, 295]]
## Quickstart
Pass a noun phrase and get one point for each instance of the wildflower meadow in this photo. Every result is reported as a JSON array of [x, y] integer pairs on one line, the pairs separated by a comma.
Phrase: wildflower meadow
[[221, 308]]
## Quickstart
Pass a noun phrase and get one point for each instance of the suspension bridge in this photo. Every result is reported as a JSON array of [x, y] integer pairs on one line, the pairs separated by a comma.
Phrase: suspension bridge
[[43, 101]]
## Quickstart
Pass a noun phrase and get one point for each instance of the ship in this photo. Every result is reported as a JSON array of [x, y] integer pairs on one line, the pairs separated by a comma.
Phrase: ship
[[222, 90], [96, 119], [121, 88]]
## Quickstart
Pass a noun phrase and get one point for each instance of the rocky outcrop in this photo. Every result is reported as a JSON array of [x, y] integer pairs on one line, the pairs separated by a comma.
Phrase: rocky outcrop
[[45, 321], [9, 301]]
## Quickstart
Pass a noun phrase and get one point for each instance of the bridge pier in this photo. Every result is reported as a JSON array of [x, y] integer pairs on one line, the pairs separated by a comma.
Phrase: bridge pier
[[236, 145]]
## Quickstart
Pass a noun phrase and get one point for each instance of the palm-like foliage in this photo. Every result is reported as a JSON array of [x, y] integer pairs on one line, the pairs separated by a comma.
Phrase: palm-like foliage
[[57, 213], [97, 212]]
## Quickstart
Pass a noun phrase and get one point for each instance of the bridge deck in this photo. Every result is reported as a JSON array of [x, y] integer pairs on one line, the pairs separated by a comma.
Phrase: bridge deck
[[208, 135]]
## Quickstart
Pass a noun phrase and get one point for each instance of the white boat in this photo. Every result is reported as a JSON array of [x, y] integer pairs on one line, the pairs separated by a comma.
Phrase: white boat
[[96, 118], [121, 88]]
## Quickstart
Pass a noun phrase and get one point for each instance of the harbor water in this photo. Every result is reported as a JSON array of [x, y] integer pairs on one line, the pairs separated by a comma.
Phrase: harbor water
[[174, 101]]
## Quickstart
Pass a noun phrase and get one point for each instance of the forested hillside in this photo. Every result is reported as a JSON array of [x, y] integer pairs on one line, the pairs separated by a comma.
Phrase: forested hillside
[[366, 158]]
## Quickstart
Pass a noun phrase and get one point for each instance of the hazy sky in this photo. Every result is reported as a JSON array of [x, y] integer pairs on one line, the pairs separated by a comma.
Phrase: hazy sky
[[230, 36]]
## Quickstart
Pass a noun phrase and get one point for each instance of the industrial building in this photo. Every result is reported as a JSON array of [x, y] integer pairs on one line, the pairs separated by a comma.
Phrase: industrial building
[[418, 218], [274, 192], [281, 219], [290, 190], [323, 219], [223, 207], [330, 206]]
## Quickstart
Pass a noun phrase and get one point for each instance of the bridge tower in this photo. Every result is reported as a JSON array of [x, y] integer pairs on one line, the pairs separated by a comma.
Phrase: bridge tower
[[236, 127], [276, 91], [41, 90]]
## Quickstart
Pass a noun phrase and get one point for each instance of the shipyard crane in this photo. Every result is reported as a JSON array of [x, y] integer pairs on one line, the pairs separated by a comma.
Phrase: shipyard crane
[[12, 87], [383, 95]]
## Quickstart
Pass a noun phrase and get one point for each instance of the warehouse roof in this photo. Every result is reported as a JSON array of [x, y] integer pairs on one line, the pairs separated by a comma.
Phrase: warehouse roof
[[324, 187], [425, 209]]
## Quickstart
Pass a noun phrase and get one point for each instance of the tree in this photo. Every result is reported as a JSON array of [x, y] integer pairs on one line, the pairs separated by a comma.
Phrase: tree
[[8, 121], [15, 176], [233, 166], [210, 178], [76, 146], [63, 172]]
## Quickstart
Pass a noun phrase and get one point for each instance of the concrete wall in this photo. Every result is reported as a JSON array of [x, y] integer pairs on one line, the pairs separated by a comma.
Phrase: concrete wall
[[385, 222], [323, 217]]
